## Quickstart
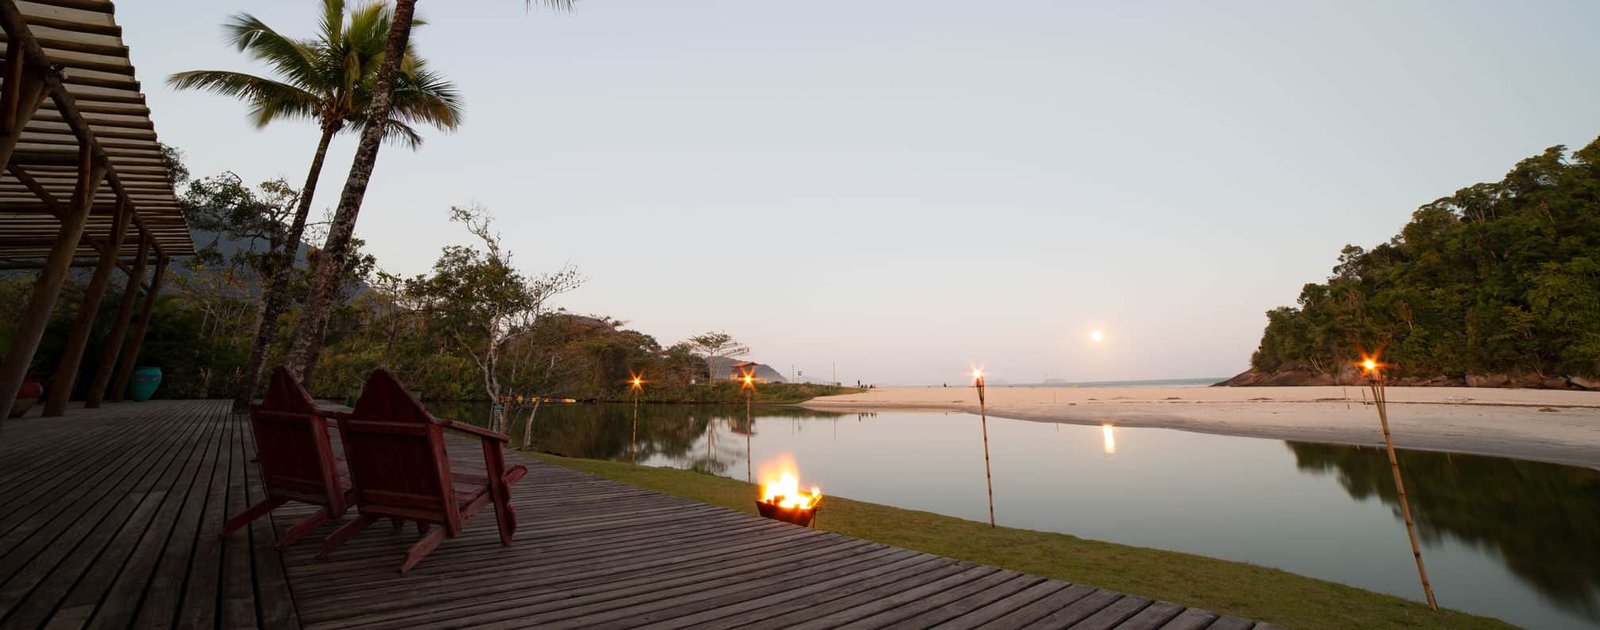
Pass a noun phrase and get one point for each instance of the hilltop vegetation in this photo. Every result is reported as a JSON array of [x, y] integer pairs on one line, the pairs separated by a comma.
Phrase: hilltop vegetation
[[1496, 284]]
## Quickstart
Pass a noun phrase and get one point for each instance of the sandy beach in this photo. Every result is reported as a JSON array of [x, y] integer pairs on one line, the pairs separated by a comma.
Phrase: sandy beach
[[1544, 425]]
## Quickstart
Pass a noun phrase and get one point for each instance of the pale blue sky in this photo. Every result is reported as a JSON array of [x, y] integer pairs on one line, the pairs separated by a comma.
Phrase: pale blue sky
[[907, 187]]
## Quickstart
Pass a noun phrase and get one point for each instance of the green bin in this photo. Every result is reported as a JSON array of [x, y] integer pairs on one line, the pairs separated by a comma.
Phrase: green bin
[[144, 383]]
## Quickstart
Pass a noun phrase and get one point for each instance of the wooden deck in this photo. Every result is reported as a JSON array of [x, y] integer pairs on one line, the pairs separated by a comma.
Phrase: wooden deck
[[108, 518]]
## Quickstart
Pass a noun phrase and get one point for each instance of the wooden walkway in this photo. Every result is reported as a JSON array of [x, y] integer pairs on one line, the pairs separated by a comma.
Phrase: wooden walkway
[[108, 518]]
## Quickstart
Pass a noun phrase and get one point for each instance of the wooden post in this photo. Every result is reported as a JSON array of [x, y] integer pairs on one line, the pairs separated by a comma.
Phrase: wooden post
[[1381, 398], [26, 87], [36, 315], [988, 479], [130, 356], [72, 354], [119, 328]]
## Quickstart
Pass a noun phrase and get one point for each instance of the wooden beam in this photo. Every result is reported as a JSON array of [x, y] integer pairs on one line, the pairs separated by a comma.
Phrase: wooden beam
[[36, 315], [97, 6], [73, 25], [23, 93], [130, 356], [119, 329], [66, 374], [92, 48], [132, 123]]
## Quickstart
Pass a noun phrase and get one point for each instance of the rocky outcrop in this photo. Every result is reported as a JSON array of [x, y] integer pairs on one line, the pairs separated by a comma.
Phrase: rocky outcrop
[[1303, 375], [1290, 375]]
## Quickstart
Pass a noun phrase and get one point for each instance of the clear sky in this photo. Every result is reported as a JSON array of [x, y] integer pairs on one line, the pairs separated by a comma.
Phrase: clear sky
[[907, 187]]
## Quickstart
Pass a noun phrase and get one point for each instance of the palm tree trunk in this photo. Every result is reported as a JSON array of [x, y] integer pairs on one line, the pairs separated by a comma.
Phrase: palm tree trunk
[[276, 296], [335, 252]]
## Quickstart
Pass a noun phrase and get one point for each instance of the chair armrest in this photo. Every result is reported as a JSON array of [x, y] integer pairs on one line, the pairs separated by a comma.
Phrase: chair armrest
[[474, 431], [334, 412]]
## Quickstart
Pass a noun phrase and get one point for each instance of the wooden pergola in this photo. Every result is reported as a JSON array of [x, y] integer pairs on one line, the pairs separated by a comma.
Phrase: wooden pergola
[[85, 185]]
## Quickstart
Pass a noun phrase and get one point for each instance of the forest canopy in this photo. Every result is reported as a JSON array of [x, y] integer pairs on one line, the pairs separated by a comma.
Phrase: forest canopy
[[1498, 278]]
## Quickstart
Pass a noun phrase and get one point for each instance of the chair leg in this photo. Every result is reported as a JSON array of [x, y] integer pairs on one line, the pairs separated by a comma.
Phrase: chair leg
[[339, 536], [302, 528], [249, 514], [506, 517], [423, 548]]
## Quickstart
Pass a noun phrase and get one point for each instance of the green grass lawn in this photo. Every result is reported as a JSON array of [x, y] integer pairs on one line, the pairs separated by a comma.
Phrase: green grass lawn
[[1223, 586]]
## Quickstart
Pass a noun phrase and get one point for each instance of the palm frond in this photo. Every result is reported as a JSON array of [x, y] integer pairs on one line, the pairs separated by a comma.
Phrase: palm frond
[[269, 100], [332, 20], [402, 134], [295, 60], [424, 96]]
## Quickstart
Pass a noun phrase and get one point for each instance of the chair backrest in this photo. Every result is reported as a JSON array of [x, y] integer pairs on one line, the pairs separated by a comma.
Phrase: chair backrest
[[292, 445], [397, 458]]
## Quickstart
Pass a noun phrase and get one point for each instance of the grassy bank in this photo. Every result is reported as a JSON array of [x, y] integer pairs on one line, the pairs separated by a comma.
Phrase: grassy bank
[[1223, 586]]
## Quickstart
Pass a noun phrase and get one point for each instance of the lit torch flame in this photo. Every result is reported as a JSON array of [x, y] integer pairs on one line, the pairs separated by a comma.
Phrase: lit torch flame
[[785, 491], [1371, 366]]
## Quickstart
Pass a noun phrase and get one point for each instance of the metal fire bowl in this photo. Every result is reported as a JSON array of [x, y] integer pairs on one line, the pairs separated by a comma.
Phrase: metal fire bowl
[[797, 516]]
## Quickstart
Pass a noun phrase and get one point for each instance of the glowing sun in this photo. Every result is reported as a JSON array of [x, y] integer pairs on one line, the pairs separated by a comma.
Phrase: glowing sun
[[1097, 335]]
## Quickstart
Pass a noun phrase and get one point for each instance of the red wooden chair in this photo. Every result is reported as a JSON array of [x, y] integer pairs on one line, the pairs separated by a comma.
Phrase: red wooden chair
[[296, 459], [397, 457]]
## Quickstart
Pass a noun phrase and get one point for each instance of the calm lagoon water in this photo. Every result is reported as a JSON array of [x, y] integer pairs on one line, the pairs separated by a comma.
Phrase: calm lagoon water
[[1511, 539]]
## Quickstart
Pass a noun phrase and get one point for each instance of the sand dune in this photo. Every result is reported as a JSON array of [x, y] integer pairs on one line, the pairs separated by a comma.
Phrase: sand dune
[[1545, 425]]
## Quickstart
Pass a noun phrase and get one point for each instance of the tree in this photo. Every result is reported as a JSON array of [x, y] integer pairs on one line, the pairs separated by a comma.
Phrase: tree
[[715, 345], [331, 80], [313, 324], [479, 301], [1497, 279]]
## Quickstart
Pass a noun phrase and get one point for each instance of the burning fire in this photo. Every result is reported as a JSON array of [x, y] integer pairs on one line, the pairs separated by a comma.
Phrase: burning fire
[[785, 491]]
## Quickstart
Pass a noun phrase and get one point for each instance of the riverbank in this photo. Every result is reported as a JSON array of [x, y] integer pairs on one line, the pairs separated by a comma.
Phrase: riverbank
[[1542, 425], [1223, 586]]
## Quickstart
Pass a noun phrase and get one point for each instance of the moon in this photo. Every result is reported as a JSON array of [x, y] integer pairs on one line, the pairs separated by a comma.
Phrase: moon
[[1097, 335]]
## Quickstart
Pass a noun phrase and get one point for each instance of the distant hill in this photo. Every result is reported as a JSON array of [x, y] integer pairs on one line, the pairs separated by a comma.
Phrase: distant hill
[[721, 370]]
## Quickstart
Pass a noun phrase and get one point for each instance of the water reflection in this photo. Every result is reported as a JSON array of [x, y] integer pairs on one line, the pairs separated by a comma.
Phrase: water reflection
[[1511, 539], [1541, 520]]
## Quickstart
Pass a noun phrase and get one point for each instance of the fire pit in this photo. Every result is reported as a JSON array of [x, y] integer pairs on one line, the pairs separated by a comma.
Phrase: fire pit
[[783, 500]]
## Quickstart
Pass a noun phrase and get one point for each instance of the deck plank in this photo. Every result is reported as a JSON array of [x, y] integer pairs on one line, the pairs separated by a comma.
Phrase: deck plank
[[109, 518]]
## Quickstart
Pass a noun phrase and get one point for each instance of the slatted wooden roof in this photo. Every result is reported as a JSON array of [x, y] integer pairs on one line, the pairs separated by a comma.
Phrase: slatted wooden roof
[[94, 92]]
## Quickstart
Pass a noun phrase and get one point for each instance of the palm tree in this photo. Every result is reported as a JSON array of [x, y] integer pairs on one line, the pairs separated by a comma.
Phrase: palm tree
[[386, 93], [330, 80]]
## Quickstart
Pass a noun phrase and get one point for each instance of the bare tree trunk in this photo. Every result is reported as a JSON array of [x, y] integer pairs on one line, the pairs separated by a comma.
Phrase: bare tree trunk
[[335, 252], [276, 297], [527, 429]]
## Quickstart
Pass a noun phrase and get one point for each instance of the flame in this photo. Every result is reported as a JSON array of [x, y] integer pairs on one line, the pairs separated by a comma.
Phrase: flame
[[1108, 430], [784, 491], [1370, 364]]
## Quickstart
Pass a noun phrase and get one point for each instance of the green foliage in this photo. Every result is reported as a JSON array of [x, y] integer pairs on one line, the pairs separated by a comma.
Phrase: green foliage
[[1498, 278], [329, 79]]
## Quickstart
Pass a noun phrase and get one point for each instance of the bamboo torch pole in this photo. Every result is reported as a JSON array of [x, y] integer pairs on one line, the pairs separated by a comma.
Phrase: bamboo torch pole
[[637, 387], [983, 413], [748, 384], [1380, 398]]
